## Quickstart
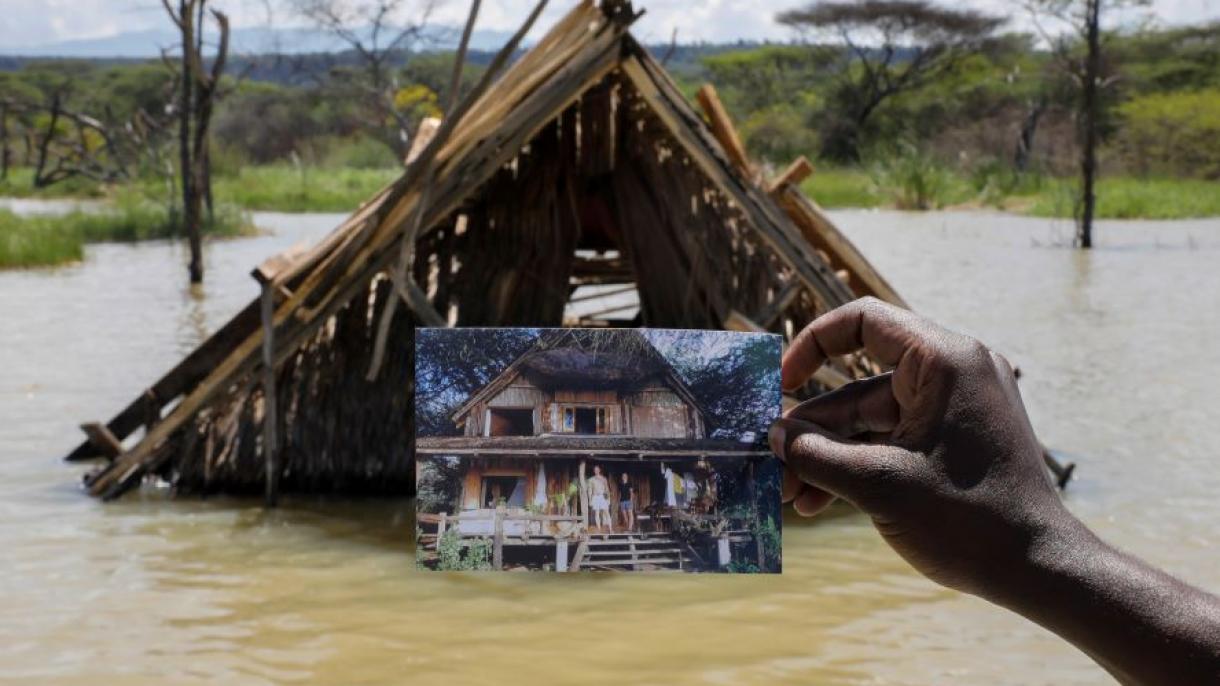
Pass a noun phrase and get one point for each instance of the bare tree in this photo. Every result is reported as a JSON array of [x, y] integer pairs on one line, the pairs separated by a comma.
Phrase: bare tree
[[887, 47], [380, 33], [1088, 72], [63, 142], [196, 101]]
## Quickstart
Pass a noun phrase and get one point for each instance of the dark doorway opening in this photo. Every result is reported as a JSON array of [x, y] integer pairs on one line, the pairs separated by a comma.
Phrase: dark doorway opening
[[509, 489], [513, 421]]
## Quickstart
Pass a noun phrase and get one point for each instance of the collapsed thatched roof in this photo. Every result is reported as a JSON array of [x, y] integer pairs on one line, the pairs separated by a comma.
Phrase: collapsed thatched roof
[[581, 164]]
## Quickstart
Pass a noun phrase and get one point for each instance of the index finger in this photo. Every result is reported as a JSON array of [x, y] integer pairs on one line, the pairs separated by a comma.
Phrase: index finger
[[883, 330]]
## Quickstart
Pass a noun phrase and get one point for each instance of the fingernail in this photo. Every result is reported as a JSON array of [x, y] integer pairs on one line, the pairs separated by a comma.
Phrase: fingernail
[[776, 438]]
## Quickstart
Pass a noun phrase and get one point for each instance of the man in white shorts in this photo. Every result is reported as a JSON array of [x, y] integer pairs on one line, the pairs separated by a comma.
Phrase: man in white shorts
[[599, 500]]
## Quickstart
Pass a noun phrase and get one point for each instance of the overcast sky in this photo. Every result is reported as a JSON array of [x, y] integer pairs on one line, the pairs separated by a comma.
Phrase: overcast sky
[[38, 22]]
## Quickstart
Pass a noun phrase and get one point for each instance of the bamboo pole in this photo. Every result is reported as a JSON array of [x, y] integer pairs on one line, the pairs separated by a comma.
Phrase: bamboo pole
[[270, 412]]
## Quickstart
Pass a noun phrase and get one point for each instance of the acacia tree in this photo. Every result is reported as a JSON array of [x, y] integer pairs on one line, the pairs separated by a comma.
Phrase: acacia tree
[[1091, 77], [886, 47], [196, 101], [379, 33]]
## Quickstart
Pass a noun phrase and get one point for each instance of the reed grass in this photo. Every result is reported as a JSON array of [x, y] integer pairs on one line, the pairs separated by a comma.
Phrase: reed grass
[[46, 240]]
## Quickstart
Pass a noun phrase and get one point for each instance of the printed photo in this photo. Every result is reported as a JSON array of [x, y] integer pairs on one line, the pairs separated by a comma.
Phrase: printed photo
[[573, 450]]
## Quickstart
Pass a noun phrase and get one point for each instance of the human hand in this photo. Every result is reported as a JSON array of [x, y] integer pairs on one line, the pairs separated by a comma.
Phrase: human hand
[[939, 452]]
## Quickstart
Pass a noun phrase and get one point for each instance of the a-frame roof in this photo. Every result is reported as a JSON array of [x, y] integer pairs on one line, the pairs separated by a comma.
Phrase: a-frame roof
[[642, 354]]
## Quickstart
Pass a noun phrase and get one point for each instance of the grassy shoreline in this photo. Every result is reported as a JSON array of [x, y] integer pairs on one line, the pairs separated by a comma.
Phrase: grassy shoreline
[[49, 240], [135, 211], [1117, 197]]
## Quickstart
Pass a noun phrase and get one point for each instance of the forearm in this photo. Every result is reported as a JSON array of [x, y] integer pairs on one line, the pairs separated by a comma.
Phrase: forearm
[[1141, 624]]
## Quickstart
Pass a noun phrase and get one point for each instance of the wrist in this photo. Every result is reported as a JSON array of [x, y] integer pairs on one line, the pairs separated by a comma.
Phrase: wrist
[[1058, 548]]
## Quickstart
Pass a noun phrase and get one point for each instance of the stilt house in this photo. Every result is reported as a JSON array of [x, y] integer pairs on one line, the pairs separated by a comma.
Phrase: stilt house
[[578, 403]]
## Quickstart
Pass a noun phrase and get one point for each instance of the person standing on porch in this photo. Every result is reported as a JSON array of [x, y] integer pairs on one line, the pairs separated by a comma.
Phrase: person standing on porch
[[625, 491], [599, 500], [671, 497]]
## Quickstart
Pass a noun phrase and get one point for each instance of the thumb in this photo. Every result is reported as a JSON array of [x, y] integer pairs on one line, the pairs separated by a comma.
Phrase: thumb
[[841, 466]]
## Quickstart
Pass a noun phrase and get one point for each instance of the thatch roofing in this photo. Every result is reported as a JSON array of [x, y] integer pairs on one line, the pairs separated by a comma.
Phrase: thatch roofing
[[581, 164], [569, 357], [584, 446]]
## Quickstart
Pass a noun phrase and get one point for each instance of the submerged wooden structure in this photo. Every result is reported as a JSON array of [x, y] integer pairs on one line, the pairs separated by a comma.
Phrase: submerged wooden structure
[[579, 403], [580, 164]]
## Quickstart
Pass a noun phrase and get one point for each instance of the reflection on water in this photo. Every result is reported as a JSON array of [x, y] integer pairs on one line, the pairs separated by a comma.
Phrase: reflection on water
[[1117, 346]]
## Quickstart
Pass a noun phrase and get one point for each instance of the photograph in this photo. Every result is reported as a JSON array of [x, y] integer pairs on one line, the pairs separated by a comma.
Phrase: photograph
[[573, 450]]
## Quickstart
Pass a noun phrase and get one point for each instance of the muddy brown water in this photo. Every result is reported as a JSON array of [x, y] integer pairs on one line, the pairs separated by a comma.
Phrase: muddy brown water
[[1121, 358]]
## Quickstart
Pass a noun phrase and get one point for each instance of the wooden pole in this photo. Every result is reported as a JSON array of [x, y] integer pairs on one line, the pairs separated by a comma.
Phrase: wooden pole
[[758, 542], [270, 442], [584, 496], [497, 555]]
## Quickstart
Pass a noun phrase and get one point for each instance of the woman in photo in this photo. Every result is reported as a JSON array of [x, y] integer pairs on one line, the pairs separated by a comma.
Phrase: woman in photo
[[625, 493]]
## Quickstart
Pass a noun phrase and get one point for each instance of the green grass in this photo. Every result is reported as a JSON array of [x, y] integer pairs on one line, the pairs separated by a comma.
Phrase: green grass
[[20, 184], [836, 187], [906, 185], [278, 187], [44, 240], [286, 188], [1134, 198]]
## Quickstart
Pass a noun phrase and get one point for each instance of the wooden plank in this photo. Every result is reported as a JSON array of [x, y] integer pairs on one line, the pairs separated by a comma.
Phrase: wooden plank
[[582, 550], [267, 270], [800, 169], [778, 304], [497, 551], [823, 235], [102, 439], [722, 127], [270, 413]]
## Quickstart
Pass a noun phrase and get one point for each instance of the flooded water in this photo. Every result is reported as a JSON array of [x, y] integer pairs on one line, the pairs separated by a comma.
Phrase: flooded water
[[1120, 354]]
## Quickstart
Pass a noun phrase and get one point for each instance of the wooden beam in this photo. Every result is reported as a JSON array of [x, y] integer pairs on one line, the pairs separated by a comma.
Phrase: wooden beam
[[497, 553], [271, 267], [778, 304], [722, 127], [823, 235], [102, 439], [270, 413], [800, 169]]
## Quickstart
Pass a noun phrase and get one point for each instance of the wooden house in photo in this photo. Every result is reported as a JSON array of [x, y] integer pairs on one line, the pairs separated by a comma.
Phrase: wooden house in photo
[[579, 168], [580, 400]]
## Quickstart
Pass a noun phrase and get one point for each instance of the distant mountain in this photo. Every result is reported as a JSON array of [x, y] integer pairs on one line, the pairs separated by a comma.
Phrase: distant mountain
[[145, 44]]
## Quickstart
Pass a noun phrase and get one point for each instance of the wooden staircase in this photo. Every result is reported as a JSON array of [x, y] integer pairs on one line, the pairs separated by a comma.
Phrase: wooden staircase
[[633, 551]]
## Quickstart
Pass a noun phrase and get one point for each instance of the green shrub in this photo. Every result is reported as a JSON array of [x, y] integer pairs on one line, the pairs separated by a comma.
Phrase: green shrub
[[777, 133], [913, 180], [836, 187], [455, 554], [1174, 133]]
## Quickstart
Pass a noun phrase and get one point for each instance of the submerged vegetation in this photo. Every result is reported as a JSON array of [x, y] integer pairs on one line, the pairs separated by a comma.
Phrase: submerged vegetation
[[45, 240]]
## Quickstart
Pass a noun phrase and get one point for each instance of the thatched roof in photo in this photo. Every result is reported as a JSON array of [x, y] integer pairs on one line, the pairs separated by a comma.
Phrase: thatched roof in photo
[[577, 358], [579, 164]]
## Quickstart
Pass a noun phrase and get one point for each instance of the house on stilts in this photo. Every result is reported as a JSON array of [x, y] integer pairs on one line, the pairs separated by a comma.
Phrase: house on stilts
[[578, 166], [606, 402]]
